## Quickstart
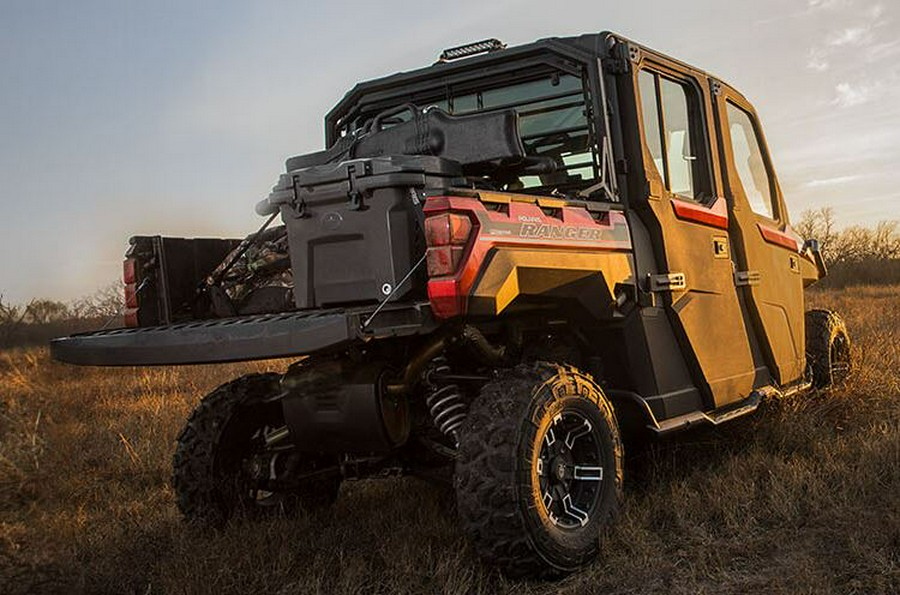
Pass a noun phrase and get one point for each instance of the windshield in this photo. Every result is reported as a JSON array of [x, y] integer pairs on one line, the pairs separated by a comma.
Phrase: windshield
[[554, 123]]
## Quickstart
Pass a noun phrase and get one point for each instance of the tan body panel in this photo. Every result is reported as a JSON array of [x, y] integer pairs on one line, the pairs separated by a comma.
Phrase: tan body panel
[[695, 242], [770, 248], [589, 277]]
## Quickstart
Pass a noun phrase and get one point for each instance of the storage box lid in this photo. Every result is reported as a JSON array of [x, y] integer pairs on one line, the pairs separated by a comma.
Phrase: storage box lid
[[362, 175], [377, 166]]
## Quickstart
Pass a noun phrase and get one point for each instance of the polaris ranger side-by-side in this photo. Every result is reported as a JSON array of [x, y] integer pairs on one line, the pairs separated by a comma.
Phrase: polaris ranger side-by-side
[[500, 266]]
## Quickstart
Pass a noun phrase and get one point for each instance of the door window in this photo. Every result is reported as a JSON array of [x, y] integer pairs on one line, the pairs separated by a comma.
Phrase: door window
[[650, 111], [674, 132], [749, 163]]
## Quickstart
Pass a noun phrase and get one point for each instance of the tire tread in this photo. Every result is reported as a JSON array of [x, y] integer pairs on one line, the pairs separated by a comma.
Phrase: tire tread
[[486, 480]]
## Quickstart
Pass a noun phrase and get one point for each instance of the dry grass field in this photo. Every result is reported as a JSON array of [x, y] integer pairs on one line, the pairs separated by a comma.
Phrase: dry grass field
[[803, 497]]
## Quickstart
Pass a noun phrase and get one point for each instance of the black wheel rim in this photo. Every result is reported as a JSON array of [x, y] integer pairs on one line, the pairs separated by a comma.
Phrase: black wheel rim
[[243, 449], [840, 359], [569, 470]]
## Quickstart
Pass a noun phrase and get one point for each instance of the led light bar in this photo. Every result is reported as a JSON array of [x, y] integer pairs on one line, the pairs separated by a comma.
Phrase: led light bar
[[471, 49]]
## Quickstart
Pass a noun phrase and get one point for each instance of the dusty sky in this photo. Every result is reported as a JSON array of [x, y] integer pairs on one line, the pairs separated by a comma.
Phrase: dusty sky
[[119, 118]]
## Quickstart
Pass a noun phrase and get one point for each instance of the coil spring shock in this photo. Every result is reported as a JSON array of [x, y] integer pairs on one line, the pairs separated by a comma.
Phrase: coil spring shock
[[446, 402]]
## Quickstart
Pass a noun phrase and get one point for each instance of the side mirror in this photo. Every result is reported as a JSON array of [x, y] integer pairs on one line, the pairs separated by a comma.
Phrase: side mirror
[[812, 246]]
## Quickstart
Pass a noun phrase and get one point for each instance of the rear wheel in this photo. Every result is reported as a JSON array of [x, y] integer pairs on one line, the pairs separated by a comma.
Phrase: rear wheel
[[539, 472], [827, 348], [224, 462]]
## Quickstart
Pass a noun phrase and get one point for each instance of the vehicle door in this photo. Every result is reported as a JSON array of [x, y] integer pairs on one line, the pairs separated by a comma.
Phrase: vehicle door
[[689, 222], [766, 246]]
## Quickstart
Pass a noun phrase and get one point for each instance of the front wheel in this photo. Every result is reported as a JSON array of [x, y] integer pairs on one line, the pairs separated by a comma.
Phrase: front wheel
[[539, 472], [827, 348]]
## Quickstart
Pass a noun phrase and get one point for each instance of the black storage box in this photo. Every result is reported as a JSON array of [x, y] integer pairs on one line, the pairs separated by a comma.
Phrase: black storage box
[[355, 227]]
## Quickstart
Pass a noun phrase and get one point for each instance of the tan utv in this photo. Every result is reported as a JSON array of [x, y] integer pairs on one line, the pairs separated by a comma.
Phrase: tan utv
[[500, 266]]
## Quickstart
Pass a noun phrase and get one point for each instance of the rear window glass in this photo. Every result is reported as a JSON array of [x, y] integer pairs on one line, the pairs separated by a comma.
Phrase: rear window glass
[[553, 122]]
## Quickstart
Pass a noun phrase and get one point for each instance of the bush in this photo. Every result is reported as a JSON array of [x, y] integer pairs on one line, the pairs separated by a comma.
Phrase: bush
[[41, 320], [855, 255]]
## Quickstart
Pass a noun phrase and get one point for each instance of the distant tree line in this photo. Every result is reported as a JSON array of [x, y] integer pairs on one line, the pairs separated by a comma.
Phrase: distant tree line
[[40, 320], [855, 255]]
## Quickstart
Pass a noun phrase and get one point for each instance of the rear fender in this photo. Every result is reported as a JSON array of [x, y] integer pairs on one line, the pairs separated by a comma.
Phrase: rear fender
[[530, 246]]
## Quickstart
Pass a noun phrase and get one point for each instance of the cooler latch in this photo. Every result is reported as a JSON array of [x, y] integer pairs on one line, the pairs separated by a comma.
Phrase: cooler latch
[[298, 202], [354, 193]]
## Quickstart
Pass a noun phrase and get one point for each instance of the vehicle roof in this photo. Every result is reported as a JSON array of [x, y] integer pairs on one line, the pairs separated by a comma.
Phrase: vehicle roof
[[589, 45], [439, 69], [682, 63]]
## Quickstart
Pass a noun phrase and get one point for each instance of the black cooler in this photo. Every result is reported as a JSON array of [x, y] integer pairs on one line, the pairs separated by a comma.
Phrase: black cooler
[[355, 227]]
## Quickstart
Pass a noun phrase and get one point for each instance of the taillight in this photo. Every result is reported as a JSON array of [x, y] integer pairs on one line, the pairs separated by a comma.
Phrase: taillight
[[446, 297], [131, 318], [447, 228], [130, 278], [443, 260], [129, 271], [131, 299], [446, 235]]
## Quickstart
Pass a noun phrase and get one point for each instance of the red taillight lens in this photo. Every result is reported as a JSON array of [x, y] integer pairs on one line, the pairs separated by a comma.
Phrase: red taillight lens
[[130, 277], [446, 229], [129, 271], [446, 235], [131, 298], [443, 260], [131, 317], [446, 299]]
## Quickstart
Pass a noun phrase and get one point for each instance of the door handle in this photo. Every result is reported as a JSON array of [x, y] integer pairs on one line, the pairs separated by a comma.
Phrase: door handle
[[720, 247]]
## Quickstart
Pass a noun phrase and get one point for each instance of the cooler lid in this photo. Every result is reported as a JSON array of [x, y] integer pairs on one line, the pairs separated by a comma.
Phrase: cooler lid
[[363, 174], [376, 166]]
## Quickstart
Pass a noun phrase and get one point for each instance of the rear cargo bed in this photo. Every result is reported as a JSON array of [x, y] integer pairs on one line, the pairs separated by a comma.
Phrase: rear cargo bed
[[243, 338]]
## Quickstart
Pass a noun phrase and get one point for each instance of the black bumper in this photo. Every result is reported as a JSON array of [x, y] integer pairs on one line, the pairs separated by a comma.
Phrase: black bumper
[[240, 339]]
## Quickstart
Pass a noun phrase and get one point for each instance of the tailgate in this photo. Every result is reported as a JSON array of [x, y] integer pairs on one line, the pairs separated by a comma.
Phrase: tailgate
[[243, 338]]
